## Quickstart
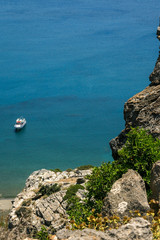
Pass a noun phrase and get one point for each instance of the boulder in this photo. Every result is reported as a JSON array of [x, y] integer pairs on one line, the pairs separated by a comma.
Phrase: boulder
[[137, 228], [155, 181], [127, 194]]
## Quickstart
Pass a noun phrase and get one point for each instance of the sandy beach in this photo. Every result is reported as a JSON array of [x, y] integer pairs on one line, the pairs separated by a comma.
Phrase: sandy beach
[[5, 205]]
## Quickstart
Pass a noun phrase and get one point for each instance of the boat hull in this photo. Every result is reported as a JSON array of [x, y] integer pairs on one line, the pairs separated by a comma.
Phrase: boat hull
[[19, 127]]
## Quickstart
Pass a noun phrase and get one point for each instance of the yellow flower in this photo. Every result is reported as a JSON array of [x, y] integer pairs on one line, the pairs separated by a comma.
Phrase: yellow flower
[[99, 215]]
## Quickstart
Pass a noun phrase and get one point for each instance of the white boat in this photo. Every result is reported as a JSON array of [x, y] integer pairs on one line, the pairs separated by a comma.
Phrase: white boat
[[20, 123]]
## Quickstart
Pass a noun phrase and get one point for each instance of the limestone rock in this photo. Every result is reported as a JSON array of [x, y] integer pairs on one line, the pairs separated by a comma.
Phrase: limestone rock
[[155, 181], [127, 194], [137, 228], [142, 110], [86, 234], [31, 210]]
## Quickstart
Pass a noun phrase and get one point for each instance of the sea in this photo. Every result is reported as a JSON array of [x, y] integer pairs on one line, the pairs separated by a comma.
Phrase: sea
[[68, 67]]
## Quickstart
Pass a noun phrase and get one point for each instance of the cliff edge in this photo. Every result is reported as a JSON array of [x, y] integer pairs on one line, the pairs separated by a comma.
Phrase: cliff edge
[[142, 110]]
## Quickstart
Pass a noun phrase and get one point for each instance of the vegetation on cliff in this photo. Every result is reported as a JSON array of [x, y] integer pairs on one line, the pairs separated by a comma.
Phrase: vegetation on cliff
[[139, 153], [85, 203]]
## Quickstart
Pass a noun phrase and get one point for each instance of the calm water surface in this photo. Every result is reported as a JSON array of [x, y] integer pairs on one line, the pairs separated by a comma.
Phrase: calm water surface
[[68, 67]]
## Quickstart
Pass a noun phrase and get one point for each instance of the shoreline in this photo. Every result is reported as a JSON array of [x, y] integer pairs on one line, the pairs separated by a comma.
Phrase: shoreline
[[5, 206]]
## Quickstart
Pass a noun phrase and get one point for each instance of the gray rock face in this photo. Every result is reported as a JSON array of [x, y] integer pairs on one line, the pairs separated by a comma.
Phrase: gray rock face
[[127, 194], [142, 110], [30, 211], [155, 75], [155, 181], [138, 228], [158, 32]]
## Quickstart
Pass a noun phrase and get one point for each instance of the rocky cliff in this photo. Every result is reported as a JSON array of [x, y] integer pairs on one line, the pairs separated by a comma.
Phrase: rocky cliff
[[33, 208], [42, 202], [142, 110]]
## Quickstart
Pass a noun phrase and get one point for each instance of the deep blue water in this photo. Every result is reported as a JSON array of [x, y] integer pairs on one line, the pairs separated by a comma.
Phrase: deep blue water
[[68, 67]]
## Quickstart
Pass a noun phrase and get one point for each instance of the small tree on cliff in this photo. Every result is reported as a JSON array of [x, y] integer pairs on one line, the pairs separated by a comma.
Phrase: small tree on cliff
[[139, 153]]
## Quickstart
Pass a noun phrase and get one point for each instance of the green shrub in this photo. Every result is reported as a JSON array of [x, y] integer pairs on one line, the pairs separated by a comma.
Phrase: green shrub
[[56, 170], [102, 179], [85, 167], [69, 170], [78, 210], [139, 153], [46, 190], [100, 182], [43, 234], [71, 191]]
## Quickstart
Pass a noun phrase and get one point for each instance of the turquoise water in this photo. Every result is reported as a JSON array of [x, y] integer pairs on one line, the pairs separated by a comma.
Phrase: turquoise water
[[68, 67]]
